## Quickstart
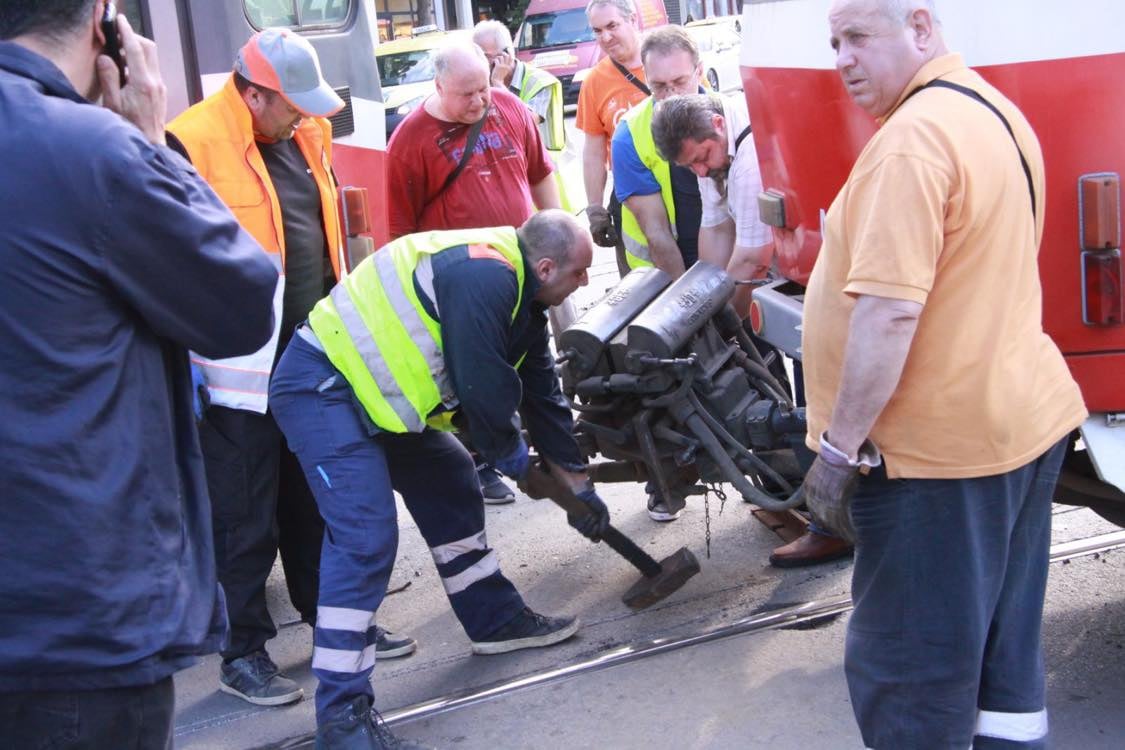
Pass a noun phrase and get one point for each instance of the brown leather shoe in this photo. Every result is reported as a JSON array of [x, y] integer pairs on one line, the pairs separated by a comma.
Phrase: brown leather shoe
[[810, 549]]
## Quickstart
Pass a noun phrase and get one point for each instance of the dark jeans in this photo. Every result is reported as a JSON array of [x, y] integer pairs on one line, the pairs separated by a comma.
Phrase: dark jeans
[[943, 648], [353, 468], [260, 503], [134, 718]]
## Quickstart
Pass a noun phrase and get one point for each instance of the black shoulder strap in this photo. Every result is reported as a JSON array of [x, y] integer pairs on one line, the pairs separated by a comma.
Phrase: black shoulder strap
[[632, 78], [470, 144], [938, 83], [741, 137]]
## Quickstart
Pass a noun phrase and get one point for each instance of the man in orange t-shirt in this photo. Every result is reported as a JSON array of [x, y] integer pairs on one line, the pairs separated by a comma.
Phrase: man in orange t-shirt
[[926, 361], [613, 86]]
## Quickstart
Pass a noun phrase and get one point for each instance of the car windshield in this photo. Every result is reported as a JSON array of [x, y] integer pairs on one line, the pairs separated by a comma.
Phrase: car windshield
[[406, 67], [552, 29]]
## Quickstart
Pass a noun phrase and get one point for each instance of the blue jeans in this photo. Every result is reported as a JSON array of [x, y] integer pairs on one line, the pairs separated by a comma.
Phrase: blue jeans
[[943, 648], [352, 468], [132, 718]]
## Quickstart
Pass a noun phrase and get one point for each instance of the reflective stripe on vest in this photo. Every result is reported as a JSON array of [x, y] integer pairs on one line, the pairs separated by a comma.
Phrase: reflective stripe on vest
[[639, 122], [377, 333], [243, 382], [535, 81]]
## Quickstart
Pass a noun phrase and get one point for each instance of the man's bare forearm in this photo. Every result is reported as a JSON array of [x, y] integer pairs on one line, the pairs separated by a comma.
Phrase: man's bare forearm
[[879, 337], [545, 193], [594, 169]]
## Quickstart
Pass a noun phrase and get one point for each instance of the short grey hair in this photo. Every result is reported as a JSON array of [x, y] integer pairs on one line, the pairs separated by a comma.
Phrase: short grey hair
[[551, 233], [445, 58], [678, 118], [495, 31], [626, 8], [665, 40], [898, 10]]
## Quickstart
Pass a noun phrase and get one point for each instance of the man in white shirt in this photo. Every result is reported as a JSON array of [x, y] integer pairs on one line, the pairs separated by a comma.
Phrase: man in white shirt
[[710, 134]]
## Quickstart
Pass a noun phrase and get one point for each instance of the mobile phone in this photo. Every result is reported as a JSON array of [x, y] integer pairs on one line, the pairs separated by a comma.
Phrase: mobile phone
[[112, 41]]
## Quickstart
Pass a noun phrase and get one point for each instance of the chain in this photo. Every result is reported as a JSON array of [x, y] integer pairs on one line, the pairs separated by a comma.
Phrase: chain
[[715, 489]]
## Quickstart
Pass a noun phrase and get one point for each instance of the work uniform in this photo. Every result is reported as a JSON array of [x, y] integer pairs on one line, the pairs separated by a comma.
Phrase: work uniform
[[284, 194], [543, 95], [639, 169], [431, 325]]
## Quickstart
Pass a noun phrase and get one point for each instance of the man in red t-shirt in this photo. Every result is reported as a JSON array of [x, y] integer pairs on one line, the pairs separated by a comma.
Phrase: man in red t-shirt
[[508, 175]]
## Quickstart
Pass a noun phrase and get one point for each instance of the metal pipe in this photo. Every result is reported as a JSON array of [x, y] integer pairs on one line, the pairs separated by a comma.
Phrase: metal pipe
[[717, 427]]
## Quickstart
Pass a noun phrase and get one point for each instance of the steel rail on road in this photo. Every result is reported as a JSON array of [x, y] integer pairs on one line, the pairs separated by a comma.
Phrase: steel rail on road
[[788, 616]]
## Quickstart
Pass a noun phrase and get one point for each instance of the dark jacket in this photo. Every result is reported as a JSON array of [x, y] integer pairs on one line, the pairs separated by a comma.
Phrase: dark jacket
[[483, 348], [116, 258]]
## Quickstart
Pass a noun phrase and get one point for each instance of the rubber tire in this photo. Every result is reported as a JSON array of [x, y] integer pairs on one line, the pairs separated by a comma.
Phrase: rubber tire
[[713, 79]]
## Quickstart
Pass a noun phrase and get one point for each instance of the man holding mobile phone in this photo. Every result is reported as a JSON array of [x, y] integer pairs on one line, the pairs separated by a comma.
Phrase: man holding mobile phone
[[108, 584]]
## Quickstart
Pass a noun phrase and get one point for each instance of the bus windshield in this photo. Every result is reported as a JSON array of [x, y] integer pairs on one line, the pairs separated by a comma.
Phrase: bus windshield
[[555, 28], [406, 67]]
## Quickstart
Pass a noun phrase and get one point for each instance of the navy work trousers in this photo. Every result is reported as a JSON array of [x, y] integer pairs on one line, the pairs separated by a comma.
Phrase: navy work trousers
[[353, 468], [943, 648], [260, 504], [131, 718]]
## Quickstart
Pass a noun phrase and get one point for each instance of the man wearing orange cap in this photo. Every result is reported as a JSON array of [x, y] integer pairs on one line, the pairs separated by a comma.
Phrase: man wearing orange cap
[[264, 145]]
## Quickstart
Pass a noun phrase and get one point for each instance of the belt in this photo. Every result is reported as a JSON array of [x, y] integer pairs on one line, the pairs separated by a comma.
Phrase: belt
[[309, 335]]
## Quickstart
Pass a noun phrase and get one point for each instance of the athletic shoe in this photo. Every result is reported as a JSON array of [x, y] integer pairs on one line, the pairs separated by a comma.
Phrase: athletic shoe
[[658, 510], [494, 489], [255, 678], [528, 629], [360, 727], [389, 647]]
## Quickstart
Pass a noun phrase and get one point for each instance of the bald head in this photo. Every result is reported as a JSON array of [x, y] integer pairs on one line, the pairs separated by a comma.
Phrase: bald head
[[461, 81], [559, 250]]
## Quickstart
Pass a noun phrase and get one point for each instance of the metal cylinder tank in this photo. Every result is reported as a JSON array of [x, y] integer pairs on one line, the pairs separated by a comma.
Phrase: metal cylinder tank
[[589, 335], [683, 308]]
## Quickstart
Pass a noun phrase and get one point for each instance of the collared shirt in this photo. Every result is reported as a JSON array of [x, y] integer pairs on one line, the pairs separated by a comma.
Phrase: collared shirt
[[739, 201], [936, 211]]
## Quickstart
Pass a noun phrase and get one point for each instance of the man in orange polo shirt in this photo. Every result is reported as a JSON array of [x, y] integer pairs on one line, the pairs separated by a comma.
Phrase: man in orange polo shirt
[[926, 366], [611, 89]]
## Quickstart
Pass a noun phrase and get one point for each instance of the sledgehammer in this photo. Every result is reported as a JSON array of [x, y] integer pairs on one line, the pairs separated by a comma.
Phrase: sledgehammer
[[659, 580]]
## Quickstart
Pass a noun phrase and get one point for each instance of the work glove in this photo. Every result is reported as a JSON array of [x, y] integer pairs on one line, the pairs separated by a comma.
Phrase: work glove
[[830, 484], [515, 464], [595, 521], [601, 226], [200, 399]]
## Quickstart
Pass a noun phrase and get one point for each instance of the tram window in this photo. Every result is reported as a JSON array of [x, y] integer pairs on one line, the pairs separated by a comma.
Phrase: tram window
[[298, 14], [132, 10]]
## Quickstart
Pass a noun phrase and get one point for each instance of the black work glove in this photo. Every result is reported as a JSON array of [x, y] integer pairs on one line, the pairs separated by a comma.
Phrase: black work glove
[[830, 483], [595, 521], [601, 226]]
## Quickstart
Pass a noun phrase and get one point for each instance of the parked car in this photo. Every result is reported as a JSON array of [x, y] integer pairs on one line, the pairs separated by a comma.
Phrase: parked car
[[719, 42], [406, 72]]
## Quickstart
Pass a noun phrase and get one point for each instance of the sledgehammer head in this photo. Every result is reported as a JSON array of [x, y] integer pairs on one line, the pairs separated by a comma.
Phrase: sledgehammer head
[[675, 570]]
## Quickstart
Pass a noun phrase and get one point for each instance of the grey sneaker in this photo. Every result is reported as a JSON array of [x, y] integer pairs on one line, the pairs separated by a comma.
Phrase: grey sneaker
[[658, 510], [528, 629], [360, 727], [389, 647], [493, 487], [255, 678]]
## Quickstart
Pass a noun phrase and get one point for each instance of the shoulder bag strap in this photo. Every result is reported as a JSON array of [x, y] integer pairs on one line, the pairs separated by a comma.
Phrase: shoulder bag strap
[[741, 137], [938, 83], [470, 144], [631, 78]]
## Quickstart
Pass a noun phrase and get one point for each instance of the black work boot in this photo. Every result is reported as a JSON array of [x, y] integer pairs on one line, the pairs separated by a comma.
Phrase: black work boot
[[528, 629], [358, 726]]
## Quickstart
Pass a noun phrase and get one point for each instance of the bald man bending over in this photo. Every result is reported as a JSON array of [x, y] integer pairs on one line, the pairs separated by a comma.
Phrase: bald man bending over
[[508, 163]]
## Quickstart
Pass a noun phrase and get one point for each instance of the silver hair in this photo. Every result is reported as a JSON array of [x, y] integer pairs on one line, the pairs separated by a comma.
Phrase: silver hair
[[493, 30], [898, 10], [626, 8], [550, 234], [665, 40], [445, 57], [679, 118]]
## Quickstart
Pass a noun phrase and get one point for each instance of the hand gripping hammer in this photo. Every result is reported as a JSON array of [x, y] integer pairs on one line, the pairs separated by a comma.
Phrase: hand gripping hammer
[[659, 579]]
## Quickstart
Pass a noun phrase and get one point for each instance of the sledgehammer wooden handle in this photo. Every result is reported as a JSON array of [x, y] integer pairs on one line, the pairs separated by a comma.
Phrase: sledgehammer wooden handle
[[540, 483]]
